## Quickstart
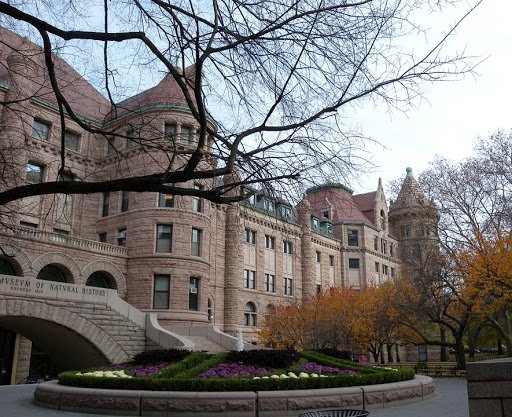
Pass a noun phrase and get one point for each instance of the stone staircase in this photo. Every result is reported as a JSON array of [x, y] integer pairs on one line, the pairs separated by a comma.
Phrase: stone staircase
[[202, 343]]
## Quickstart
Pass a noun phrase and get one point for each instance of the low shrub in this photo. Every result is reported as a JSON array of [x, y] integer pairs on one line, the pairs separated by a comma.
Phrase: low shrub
[[335, 353], [160, 356], [264, 357]]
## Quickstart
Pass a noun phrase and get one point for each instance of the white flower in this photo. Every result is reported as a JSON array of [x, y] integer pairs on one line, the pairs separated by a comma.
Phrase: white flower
[[283, 376], [292, 375], [303, 375], [314, 375], [274, 376], [256, 377], [264, 377]]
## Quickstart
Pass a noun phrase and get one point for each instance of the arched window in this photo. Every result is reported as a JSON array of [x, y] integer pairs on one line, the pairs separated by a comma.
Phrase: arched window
[[99, 279], [250, 314], [6, 268], [52, 273]]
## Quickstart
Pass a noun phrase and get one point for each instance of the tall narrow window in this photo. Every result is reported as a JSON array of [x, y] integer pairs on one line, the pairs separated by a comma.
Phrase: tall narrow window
[[106, 204], [186, 134], [110, 145], [71, 141], [40, 130], [161, 291], [193, 294], [407, 231], [318, 256], [353, 238], [130, 138], [197, 204], [125, 200], [250, 236], [287, 247], [121, 237], [270, 242], [331, 260], [375, 243], [166, 200], [195, 248], [391, 249], [385, 269], [249, 279], [170, 132], [270, 283], [288, 286], [377, 269], [250, 314], [34, 172], [383, 245], [163, 238]]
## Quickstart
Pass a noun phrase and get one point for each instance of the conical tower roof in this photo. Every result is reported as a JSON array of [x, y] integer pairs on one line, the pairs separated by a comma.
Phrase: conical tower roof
[[410, 194]]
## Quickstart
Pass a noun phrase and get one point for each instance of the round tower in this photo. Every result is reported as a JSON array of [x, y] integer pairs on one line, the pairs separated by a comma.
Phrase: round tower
[[413, 218]]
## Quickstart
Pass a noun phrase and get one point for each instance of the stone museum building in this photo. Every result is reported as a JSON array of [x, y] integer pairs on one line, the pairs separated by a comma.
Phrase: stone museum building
[[190, 262]]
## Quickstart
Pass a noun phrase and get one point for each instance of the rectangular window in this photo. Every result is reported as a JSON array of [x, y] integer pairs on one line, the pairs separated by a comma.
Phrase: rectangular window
[[249, 279], [385, 269], [130, 138], [163, 238], [407, 231], [110, 145], [270, 242], [197, 203], [287, 247], [331, 260], [193, 294], [353, 238], [186, 134], [353, 263], [102, 237], [391, 249], [121, 237], [106, 204], [161, 287], [125, 200], [34, 172], [318, 288], [195, 247], [250, 236], [170, 132], [28, 224], [326, 214], [393, 272], [315, 223], [383, 246], [40, 130], [318, 256], [288, 286], [377, 267], [71, 141], [166, 200], [61, 232], [376, 243], [270, 283]]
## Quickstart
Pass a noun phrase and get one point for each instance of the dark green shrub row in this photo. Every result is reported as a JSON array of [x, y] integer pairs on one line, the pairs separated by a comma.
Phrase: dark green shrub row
[[234, 384], [160, 356], [265, 358], [335, 353], [318, 357], [191, 361]]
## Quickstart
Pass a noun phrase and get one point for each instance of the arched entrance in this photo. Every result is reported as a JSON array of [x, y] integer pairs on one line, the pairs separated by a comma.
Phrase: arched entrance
[[102, 280], [54, 273]]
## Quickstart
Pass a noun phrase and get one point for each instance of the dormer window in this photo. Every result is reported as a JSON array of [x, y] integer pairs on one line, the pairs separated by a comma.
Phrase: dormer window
[[328, 228], [326, 214], [268, 205], [250, 200], [315, 223], [285, 211]]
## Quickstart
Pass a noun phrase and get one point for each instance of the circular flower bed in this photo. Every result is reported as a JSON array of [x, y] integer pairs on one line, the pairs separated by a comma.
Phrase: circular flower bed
[[232, 371]]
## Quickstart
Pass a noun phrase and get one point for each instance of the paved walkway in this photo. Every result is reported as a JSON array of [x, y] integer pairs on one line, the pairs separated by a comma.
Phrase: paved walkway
[[450, 400]]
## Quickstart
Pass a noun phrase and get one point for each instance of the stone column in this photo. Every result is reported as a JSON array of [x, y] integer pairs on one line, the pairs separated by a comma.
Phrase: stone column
[[307, 250]]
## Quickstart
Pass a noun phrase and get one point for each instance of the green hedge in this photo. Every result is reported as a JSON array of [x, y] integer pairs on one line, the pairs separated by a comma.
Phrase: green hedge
[[182, 376]]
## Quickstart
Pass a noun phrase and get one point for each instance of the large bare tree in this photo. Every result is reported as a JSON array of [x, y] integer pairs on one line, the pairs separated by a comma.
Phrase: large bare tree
[[268, 81]]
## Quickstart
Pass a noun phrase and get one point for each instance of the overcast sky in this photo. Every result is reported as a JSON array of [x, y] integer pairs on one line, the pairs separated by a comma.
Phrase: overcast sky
[[453, 114]]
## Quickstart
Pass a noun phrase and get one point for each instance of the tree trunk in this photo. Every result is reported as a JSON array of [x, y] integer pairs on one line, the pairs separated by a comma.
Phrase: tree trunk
[[389, 348], [460, 356], [500, 346], [397, 352], [444, 350], [382, 361]]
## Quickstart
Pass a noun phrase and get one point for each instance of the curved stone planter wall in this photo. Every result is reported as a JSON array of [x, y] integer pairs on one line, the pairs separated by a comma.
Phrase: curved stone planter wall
[[229, 404]]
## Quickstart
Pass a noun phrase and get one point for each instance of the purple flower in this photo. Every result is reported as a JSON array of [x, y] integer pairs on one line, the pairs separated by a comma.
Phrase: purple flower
[[312, 367], [232, 370]]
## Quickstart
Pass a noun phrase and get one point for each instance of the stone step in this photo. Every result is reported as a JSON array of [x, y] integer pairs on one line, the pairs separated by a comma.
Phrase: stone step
[[202, 343]]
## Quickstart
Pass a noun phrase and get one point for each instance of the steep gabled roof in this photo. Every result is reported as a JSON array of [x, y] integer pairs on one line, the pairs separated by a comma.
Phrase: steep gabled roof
[[83, 98], [366, 203], [343, 204], [166, 92]]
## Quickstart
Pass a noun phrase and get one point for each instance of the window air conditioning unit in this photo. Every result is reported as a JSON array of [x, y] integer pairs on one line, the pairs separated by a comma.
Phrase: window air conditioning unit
[[193, 290], [121, 235]]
